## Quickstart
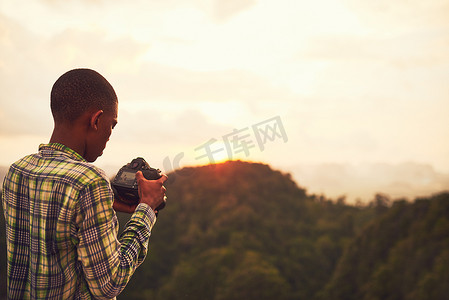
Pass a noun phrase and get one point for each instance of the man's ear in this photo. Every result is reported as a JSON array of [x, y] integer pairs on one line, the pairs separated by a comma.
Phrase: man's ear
[[94, 119]]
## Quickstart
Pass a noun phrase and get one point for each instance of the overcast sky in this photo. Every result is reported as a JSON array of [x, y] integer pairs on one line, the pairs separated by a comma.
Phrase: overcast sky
[[357, 86]]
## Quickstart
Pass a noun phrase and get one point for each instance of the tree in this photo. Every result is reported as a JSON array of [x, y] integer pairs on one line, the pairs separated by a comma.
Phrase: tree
[[254, 279]]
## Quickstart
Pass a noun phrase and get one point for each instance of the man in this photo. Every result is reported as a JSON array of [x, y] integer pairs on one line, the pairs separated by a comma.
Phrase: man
[[60, 210]]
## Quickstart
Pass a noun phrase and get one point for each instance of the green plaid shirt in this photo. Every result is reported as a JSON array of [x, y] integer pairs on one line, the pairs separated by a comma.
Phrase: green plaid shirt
[[62, 231]]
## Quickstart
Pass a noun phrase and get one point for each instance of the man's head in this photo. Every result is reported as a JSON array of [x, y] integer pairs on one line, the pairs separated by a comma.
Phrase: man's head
[[84, 108], [78, 91]]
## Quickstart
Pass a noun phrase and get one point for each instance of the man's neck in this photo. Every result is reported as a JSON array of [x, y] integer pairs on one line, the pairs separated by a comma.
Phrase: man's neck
[[69, 136]]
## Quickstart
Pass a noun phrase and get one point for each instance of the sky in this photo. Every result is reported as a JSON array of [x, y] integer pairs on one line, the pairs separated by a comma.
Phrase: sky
[[349, 96]]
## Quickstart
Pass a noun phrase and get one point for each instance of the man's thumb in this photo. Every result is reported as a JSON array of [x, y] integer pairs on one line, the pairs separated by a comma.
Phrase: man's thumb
[[139, 176]]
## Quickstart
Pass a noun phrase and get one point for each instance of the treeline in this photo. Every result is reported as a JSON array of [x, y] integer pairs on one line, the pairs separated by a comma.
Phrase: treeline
[[244, 231], [404, 254]]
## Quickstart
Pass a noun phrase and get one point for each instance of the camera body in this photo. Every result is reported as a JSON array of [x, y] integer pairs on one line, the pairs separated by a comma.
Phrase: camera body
[[125, 185]]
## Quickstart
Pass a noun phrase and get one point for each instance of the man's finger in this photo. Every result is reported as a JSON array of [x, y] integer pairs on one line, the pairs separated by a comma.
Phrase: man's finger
[[163, 178]]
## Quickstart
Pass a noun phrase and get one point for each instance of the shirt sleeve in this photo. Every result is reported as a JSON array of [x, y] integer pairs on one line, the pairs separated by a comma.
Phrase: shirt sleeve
[[108, 262]]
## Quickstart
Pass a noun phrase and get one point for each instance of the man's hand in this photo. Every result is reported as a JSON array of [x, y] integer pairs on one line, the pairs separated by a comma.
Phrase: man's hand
[[151, 192], [121, 206]]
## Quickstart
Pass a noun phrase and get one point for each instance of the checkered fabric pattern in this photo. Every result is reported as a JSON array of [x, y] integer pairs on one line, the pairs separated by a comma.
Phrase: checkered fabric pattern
[[62, 230]]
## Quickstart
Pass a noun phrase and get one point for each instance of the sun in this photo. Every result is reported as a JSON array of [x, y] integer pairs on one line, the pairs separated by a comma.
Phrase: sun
[[220, 153]]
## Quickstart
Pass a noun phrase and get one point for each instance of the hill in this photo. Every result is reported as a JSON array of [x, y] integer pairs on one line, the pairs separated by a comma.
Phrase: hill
[[242, 231]]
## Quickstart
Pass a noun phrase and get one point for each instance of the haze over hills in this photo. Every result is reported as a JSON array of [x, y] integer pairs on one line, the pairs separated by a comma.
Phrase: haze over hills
[[363, 181], [357, 182]]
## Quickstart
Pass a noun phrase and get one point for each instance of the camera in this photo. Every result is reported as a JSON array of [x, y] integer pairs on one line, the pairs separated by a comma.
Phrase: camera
[[125, 185]]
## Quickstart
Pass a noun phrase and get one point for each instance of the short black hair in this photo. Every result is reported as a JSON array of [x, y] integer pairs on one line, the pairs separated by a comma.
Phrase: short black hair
[[78, 91]]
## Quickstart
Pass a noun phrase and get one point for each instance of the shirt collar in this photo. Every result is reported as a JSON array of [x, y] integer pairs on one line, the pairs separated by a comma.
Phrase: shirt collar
[[51, 148]]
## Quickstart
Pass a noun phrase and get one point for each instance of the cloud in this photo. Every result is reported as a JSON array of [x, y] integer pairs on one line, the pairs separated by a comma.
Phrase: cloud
[[30, 64], [166, 83], [184, 108], [171, 106], [22, 80], [405, 51], [185, 127], [401, 15], [225, 9]]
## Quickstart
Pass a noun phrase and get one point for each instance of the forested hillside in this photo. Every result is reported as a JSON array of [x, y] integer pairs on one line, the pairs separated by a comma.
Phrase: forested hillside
[[241, 231], [402, 255], [244, 231]]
